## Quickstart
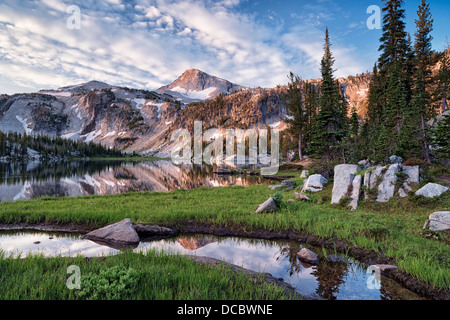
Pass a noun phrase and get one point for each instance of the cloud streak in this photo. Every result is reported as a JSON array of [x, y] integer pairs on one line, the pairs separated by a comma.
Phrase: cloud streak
[[148, 43]]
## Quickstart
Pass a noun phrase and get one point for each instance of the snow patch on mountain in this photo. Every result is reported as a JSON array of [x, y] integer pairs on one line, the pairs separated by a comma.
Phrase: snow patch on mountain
[[25, 124], [195, 95]]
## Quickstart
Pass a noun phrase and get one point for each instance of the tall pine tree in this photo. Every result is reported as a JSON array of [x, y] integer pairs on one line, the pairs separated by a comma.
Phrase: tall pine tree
[[294, 103], [328, 127]]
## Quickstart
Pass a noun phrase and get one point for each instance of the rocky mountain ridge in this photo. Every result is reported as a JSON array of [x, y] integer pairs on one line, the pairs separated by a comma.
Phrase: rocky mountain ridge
[[141, 120]]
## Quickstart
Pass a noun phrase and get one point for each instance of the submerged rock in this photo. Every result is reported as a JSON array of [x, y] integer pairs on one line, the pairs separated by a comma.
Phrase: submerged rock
[[314, 183], [431, 190], [308, 256], [120, 234], [438, 221], [268, 206]]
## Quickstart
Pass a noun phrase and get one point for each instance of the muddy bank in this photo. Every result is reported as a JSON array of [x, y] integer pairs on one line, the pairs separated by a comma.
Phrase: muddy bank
[[365, 256]]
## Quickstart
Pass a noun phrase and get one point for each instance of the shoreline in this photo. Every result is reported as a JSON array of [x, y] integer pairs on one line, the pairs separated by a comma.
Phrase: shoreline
[[368, 257]]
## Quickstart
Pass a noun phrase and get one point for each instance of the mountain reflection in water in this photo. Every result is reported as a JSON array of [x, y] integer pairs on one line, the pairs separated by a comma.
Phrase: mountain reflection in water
[[34, 180]]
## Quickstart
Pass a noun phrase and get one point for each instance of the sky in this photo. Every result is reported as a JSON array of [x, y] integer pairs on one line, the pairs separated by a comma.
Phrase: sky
[[146, 44]]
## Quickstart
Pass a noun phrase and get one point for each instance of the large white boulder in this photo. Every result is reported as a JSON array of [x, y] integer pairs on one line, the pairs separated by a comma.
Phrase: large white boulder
[[344, 174], [383, 179], [412, 178], [431, 190], [314, 183], [438, 221]]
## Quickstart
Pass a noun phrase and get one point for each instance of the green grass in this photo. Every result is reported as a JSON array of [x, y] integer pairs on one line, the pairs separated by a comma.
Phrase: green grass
[[158, 276], [393, 228]]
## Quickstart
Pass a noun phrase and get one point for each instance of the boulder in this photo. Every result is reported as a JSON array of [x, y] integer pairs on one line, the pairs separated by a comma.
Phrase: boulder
[[308, 256], [394, 159], [344, 175], [120, 234], [365, 164], [276, 187], [382, 179], [301, 197], [314, 183], [438, 221], [431, 190], [154, 231], [268, 206], [288, 183], [356, 192], [304, 174], [412, 178]]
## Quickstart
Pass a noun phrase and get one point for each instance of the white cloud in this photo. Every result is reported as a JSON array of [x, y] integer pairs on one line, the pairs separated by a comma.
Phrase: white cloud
[[152, 43]]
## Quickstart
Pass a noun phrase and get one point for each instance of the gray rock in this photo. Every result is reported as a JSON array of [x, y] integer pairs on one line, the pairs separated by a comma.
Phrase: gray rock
[[276, 187], [121, 233], [402, 193], [394, 159], [386, 188], [289, 188], [314, 183], [288, 183], [412, 178], [364, 164], [308, 256], [356, 192], [431, 190], [301, 197], [290, 200], [304, 174], [153, 230], [268, 206], [438, 221], [343, 181]]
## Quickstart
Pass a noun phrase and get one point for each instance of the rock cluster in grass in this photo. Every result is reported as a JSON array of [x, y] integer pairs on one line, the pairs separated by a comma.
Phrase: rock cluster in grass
[[378, 183]]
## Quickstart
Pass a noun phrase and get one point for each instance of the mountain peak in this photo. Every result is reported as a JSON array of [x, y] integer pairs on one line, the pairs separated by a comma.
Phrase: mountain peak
[[197, 85]]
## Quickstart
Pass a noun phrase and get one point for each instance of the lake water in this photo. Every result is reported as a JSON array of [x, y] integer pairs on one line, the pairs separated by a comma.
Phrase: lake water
[[78, 178], [343, 279]]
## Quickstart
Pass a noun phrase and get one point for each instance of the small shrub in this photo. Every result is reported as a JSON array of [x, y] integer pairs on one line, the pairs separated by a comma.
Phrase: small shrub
[[116, 283], [278, 198]]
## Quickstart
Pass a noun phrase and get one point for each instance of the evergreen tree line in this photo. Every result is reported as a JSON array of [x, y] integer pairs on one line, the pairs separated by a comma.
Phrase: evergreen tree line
[[403, 95], [15, 146]]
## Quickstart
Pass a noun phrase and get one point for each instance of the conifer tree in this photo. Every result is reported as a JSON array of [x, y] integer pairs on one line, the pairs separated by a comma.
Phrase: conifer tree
[[328, 127], [294, 103]]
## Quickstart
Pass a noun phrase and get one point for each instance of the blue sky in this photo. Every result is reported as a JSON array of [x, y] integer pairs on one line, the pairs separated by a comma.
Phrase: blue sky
[[149, 43]]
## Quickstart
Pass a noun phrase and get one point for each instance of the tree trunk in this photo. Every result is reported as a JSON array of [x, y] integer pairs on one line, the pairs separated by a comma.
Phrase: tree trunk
[[300, 153], [425, 144]]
